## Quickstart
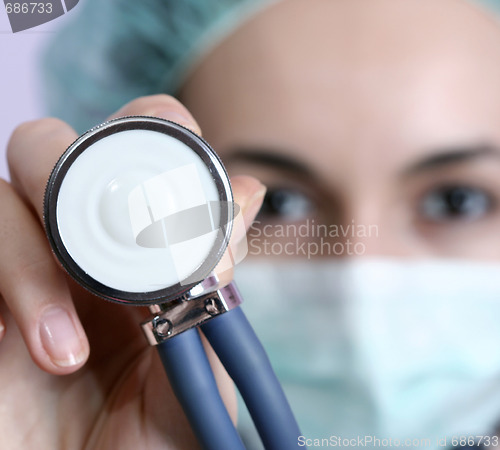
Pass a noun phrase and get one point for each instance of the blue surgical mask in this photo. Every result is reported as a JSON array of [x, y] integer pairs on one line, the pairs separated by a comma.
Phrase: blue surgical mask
[[392, 349]]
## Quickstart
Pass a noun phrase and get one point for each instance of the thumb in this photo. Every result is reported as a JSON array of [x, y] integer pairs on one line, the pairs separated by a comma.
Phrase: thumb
[[248, 193]]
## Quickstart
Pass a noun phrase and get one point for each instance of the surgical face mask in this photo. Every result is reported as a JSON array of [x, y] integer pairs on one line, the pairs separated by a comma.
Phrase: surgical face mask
[[390, 349]]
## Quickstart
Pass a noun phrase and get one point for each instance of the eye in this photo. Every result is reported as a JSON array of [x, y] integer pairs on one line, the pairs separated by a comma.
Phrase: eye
[[285, 204], [456, 203]]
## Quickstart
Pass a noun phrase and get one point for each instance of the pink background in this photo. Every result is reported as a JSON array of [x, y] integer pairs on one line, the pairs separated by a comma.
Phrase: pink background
[[20, 87]]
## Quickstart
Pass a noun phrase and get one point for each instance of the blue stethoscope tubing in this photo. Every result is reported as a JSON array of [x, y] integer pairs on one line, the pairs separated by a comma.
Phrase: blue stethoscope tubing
[[193, 383], [240, 351]]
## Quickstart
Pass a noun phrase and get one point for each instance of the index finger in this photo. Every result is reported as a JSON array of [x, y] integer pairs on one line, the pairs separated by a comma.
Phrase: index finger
[[35, 147], [32, 152]]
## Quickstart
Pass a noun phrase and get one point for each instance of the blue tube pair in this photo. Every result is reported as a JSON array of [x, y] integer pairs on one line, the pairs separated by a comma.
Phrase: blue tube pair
[[246, 362]]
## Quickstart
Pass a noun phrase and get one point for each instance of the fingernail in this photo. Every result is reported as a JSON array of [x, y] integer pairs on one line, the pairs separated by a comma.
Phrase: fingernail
[[176, 117], [60, 339], [2, 329]]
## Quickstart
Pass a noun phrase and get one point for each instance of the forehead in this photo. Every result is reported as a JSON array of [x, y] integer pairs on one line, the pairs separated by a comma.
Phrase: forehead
[[350, 73]]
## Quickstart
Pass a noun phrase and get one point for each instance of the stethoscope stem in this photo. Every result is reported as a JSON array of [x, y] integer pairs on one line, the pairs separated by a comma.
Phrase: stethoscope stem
[[193, 382], [240, 351]]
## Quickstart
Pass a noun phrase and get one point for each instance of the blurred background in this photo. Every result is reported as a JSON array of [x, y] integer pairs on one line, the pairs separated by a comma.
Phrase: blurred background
[[20, 85]]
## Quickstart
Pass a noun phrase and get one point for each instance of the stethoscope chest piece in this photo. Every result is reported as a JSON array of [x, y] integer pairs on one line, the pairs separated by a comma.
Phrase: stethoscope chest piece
[[139, 210]]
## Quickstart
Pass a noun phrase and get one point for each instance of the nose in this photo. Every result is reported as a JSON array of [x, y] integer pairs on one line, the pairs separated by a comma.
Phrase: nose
[[370, 229]]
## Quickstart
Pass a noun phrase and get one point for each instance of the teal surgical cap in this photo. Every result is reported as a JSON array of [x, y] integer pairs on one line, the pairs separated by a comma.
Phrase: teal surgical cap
[[492, 4], [116, 50]]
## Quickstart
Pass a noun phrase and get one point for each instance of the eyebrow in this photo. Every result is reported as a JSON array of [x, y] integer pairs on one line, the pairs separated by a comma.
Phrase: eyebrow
[[270, 158], [441, 158], [451, 156]]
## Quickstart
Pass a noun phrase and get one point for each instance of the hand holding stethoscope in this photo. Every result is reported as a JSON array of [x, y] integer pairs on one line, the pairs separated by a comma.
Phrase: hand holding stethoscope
[[119, 398]]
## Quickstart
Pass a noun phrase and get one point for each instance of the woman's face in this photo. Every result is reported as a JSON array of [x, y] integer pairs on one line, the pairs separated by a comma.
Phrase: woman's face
[[380, 116]]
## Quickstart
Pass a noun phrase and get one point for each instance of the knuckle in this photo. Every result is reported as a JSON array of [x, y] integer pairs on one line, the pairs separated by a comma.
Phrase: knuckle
[[150, 103], [6, 192], [26, 129], [18, 136], [30, 268], [29, 132], [5, 187]]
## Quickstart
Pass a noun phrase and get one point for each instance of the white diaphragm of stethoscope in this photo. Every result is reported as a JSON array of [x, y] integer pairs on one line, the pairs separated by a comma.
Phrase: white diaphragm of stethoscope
[[139, 210]]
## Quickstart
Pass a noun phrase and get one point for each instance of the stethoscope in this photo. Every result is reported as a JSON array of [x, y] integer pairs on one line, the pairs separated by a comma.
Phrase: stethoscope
[[139, 210]]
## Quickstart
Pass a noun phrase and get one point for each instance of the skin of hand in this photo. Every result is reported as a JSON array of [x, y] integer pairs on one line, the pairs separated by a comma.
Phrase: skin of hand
[[116, 395]]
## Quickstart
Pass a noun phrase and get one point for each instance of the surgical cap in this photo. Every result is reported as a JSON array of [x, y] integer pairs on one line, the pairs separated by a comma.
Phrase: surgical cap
[[116, 50]]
